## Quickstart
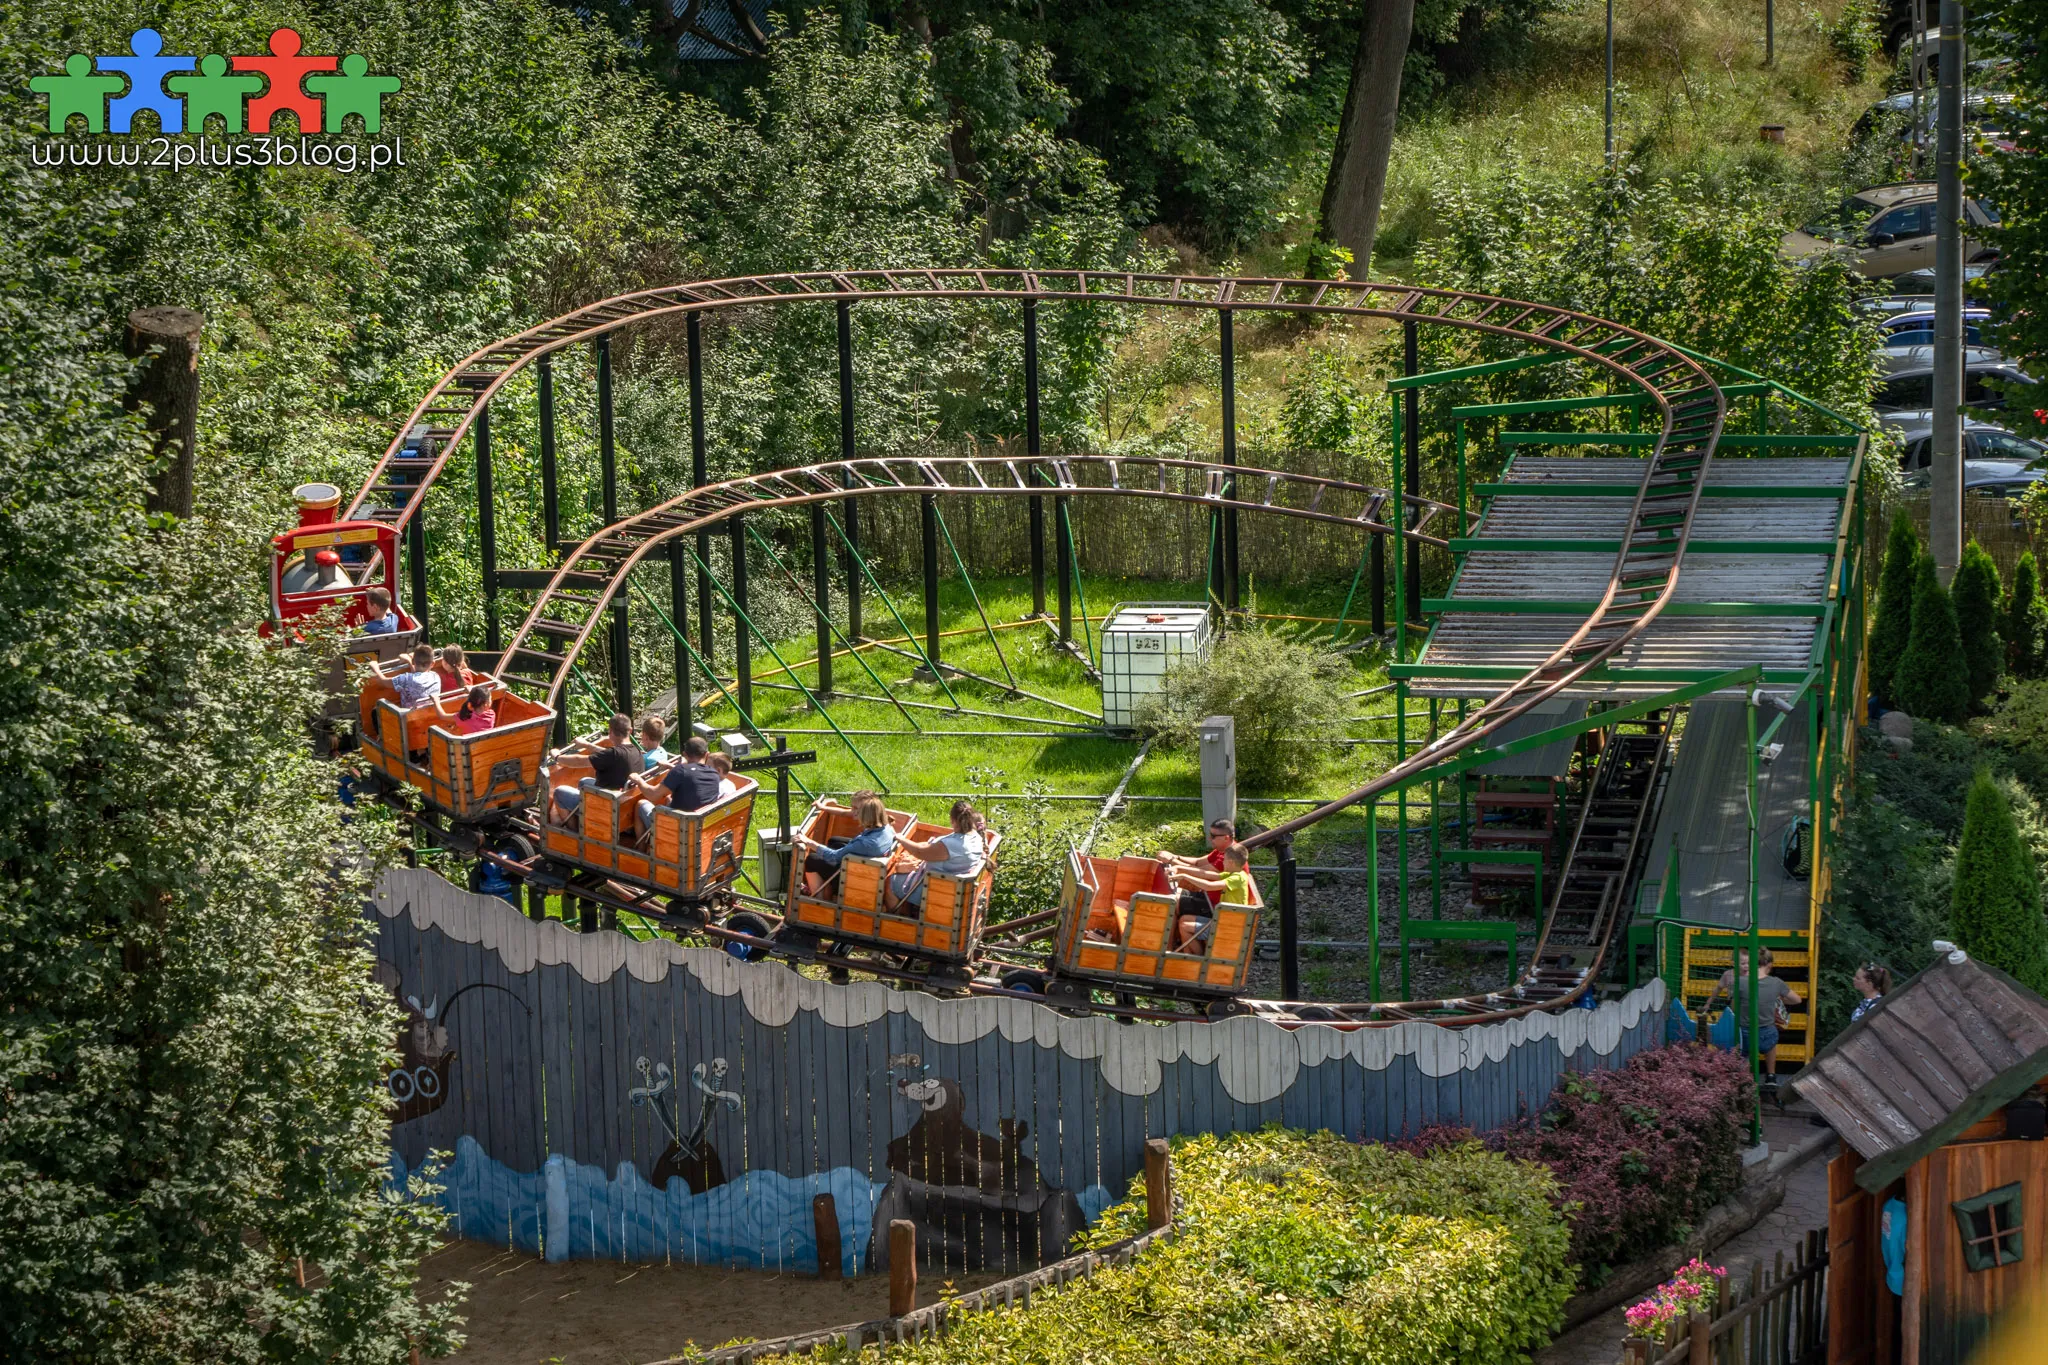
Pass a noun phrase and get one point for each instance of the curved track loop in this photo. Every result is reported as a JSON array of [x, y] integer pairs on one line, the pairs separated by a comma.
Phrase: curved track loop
[[1643, 580]]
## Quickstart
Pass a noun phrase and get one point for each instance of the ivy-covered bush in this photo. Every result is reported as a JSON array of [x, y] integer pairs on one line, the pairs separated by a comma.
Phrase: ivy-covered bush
[[1305, 1248], [1279, 692], [1639, 1153]]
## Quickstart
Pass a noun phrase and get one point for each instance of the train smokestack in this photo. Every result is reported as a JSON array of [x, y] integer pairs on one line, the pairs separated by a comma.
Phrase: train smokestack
[[317, 503]]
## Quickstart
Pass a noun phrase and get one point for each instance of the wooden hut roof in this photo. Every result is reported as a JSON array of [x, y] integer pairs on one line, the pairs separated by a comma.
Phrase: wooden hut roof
[[1939, 1053]]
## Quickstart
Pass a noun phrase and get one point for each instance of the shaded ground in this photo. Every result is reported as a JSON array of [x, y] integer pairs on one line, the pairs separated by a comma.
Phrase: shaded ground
[[524, 1311]]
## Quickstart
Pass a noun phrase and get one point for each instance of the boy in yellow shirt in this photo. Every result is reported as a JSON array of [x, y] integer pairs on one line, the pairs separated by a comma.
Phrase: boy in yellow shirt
[[1235, 885]]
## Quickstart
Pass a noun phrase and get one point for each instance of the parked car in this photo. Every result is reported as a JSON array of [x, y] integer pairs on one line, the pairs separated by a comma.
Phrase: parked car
[[1913, 292], [1992, 478], [1983, 442], [1903, 328], [1919, 355], [1888, 230], [1984, 386], [1983, 112]]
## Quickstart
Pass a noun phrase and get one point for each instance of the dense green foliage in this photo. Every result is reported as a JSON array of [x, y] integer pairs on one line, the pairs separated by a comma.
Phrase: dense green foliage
[[1893, 622], [2020, 621], [2015, 176], [1930, 680], [1282, 693], [1975, 592], [1997, 892], [1309, 1249], [190, 1069]]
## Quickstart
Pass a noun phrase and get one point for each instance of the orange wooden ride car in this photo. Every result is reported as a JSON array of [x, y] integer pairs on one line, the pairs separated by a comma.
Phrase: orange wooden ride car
[[473, 777], [945, 932], [1132, 950], [691, 855]]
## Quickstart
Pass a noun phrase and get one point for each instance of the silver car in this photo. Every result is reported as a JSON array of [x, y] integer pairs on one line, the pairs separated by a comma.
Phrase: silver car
[[1888, 230]]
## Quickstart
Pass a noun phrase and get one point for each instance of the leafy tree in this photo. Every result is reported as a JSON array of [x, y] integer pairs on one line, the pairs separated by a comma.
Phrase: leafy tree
[[2014, 175], [1975, 592], [1894, 616], [2021, 622], [192, 1072], [1997, 908], [1281, 693], [1930, 682]]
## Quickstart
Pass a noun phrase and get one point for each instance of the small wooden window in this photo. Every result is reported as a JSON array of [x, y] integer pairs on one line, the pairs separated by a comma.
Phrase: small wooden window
[[1990, 1224]]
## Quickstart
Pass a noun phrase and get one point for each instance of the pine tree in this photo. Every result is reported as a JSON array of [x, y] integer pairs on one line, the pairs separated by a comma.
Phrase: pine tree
[[1894, 619], [1997, 907], [2022, 624], [1975, 593], [1930, 682]]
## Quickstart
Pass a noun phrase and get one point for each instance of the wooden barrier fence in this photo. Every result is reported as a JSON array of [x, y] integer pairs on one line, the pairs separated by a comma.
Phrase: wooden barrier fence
[[1779, 1318]]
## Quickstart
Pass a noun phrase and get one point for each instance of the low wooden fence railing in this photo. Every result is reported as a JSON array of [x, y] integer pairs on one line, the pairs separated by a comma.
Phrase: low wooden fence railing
[[1778, 1318], [907, 1322]]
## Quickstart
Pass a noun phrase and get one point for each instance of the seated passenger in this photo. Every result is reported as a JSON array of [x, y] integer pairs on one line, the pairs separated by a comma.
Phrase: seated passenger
[[1235, 886], [476, 713], [613, 765], [722, 763], [875, 840], [452, 667], [958, 854], [315, 571], [378, 617], [1198, 903], [420, 685], [652, 731], [692, 784]]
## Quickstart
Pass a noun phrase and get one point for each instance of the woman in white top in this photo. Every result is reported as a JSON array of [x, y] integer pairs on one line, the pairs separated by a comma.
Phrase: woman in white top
[[958, 854]]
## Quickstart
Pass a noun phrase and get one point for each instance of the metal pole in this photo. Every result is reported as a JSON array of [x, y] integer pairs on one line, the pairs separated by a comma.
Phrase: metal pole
[[1227, 347], [487, 527], [607, 459], [550, 495], [821, 592], [1770, 32], [1063, 564], [1411, 400], [699, 476], [1372, 893], [1756, 1130], [1377, 589], [852, 554], [742, 648], [1031, 452], [1946, 508], [1290, 928], [416, 560], [782, 787], [1610, 84], [678, 596], [928, 529], [622, 658]]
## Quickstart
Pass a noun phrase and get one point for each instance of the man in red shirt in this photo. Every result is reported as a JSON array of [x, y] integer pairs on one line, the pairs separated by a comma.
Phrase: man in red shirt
[[1222, 834]]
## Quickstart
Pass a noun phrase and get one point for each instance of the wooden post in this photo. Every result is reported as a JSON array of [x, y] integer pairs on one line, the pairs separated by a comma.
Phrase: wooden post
[[169, 387], [1701, 1346], [1158, 1184], [1635, 1351], [902, 1267], [825, 1218]]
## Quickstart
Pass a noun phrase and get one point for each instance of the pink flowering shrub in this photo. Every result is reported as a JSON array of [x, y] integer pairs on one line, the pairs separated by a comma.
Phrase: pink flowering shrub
[[1696, 1288], [1639, 1153]]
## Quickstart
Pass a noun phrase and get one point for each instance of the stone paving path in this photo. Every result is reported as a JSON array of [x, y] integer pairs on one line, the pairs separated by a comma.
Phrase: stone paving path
[[1782, 1230]]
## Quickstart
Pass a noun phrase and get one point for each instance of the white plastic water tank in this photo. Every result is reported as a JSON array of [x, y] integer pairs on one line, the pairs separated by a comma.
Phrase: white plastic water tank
[[1139, 643]]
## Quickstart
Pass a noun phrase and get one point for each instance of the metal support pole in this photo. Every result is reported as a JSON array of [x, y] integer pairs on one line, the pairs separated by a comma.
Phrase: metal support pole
[[1063, 563], [1610, 84], [1377, 587], [852, 555], [1227, 347], [821, 593], [487, 527], [550, 491], [416, 561], [699, 476], [678, 596], [782, 787], [622, 657], [606, 454], [1770, 32], [1946, 507], [1290, 928], [1031, 453], [928, 529], [1411, 400], [742, 648], [1372, 894]]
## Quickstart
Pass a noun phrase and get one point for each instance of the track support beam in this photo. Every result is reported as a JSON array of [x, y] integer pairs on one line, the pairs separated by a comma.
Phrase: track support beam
[[1031, 453], [487, 527], [846, 447]]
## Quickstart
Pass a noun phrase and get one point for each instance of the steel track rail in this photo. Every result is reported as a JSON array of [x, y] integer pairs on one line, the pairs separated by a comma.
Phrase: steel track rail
[[1644, 578]]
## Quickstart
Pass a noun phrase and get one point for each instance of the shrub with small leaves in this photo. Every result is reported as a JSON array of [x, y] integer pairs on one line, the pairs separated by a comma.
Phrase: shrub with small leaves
[[1280, 693], [1930, 682], [2020, 619], [1975, 593], [1893, 624]]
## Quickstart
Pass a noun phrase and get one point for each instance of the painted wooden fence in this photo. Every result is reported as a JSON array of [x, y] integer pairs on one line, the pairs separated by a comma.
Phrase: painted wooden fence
[[604, 1097]]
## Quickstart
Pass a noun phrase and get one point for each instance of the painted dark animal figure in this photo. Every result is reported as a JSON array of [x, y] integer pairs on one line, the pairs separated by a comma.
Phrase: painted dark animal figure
[[940, 1149]]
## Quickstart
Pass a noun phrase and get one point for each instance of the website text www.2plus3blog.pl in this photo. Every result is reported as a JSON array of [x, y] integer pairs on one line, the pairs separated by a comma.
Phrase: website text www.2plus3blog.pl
[[221, 153]]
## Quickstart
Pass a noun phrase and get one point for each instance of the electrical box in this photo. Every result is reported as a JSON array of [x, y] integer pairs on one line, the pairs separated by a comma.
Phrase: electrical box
[[736, 746], [1218, 744], [1140, 641]]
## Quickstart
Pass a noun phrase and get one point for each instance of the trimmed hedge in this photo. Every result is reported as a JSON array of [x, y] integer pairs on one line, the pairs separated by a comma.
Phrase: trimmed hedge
[[1308, 1249], [1639, 1152]]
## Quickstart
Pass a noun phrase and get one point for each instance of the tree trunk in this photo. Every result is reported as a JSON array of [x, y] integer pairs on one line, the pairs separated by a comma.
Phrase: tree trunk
[[1365, 134], [168, 388]]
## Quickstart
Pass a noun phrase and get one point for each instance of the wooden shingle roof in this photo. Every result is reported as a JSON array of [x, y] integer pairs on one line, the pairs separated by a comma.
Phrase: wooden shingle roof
[[1947, 1048]]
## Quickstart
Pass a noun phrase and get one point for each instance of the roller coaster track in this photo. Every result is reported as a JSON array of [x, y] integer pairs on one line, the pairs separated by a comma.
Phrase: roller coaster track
[[1690, 407]]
